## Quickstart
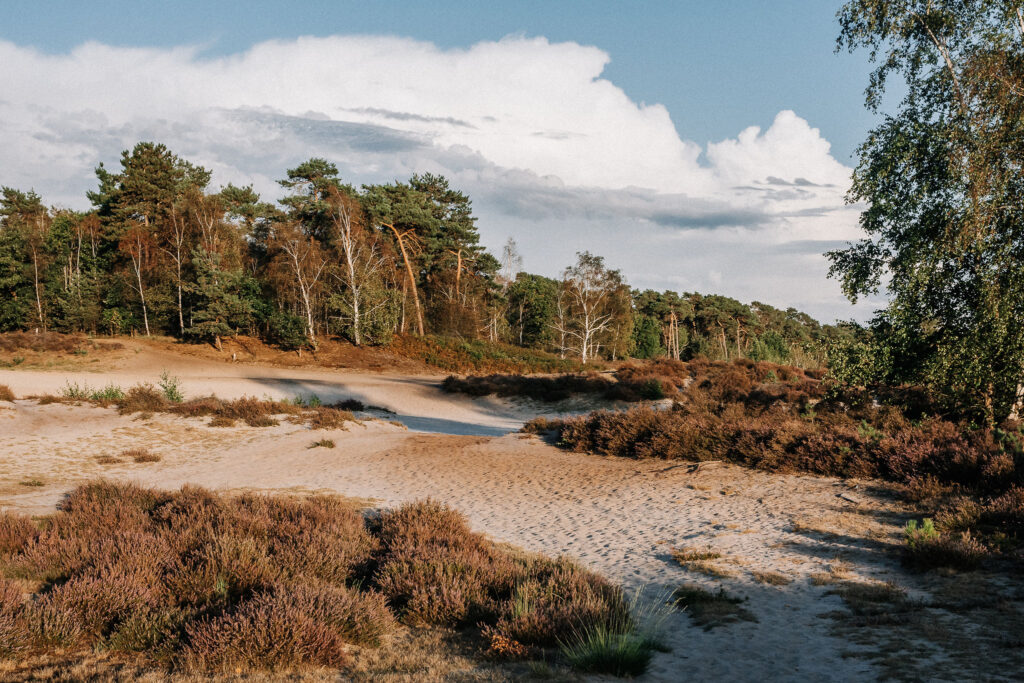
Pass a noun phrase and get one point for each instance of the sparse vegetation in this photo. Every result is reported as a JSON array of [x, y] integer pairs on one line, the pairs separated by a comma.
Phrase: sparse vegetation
[[771, 578], [140, 455], [710, 609], [322, 443], [200, 582], [6, 394], [729, 412], [147, 399]]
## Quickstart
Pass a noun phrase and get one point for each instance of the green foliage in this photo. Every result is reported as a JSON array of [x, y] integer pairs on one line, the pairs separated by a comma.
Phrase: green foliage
[[941, 180], [286, 330], [647, 337], [915, 534], [170, 386]]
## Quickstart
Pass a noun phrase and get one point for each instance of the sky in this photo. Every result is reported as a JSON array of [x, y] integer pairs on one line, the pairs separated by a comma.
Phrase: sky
[[696, 146]]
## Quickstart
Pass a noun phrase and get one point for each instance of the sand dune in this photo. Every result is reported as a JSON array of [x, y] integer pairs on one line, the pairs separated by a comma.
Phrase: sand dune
[[620, 517]]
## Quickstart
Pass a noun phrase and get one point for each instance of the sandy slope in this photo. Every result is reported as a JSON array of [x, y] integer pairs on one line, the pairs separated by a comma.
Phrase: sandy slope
[[415, 400], [620, 517]]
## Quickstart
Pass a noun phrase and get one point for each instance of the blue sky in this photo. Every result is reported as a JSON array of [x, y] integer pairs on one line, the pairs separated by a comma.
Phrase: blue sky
[[698, 146], [717, 66]]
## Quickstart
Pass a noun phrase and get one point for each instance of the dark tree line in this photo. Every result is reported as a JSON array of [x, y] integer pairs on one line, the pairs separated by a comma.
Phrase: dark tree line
[[162, 253]]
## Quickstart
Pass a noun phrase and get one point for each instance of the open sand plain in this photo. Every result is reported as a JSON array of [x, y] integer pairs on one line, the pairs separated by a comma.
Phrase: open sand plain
[[785, 539]]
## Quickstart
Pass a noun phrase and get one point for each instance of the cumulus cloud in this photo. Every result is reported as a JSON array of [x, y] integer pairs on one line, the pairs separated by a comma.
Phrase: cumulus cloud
[[544, 145]]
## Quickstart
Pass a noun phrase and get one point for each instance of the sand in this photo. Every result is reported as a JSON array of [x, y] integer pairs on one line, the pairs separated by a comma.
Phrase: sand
[[619, 517]]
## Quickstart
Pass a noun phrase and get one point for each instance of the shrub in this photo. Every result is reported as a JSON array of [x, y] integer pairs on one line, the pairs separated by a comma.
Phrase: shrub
[[142, 398], [210, 583], [16, 531], [171, 388], [6, 394], [322, 443], [928, 549]]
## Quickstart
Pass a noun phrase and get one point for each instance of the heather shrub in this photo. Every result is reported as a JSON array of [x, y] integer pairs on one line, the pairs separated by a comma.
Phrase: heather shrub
[[196, 581], [16, 532], [142, 398], [266, 632], [14, 635]]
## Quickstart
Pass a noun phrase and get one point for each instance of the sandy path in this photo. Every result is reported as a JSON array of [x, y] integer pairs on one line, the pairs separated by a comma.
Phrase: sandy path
[[617, 516]]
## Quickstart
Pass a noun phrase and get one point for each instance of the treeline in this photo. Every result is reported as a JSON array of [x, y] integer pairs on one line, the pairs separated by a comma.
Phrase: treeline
[[161, 253]]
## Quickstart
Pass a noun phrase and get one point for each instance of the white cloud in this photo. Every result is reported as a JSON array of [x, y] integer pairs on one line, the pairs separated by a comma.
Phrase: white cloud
[[527, 127]]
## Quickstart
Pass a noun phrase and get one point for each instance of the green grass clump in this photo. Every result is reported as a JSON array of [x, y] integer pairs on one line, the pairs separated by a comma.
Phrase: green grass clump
[[620, 647]]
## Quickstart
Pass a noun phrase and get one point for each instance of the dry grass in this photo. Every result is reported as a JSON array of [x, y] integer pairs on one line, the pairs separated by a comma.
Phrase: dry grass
[[140, 455], [197, 583], [107, 460], [703, 561], [322, 443], [6, 394], [146, 400], [710, 609], [771, 578]]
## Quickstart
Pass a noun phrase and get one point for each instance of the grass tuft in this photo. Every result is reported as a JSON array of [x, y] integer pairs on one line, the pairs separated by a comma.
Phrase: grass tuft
[[140, 455], [322, 443]]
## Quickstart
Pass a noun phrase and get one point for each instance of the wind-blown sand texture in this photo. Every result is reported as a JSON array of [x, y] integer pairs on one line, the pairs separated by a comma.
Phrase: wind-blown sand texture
[[620, 517]]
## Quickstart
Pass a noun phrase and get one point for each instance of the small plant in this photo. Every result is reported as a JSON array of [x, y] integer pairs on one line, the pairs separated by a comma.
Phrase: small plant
[[928, 549], [32, 482], [18, 360], [915, 535], [74, 392], [322, 443], [107, 394], [171, 387], [312, 402], [107, 460], [867, 431], [6, 394], [221, 421]]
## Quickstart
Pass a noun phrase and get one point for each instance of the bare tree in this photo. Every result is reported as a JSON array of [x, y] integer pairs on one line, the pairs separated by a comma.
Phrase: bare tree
[[402, 238], [137, 243], [306, 262], [586, 306], [174, 242], [362, 261], [511, 263]]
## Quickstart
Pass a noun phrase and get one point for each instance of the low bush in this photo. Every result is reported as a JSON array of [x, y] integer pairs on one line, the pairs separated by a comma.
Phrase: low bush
[[205, 583], [6, 394]]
